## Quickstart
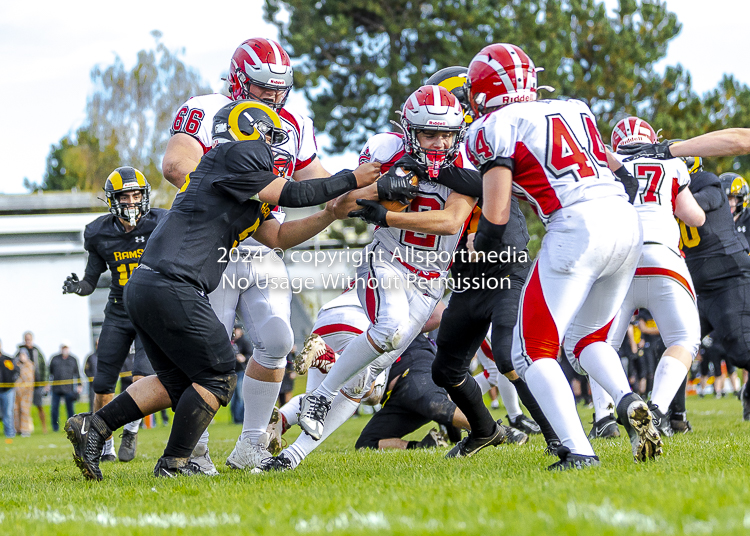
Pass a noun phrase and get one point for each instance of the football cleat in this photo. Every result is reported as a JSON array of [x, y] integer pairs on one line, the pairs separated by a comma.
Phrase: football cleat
[[470, 445], [129, 442], [171, 467], [312, 416], [275, 430], [107, 458], [88, 439], [248, 455], [604, 428], [568, 460], [525, 424], [515, 436], [661, 420], [552, 447], [315, 353], [202, 460], [638, 421], [275, 463], [680, 424]]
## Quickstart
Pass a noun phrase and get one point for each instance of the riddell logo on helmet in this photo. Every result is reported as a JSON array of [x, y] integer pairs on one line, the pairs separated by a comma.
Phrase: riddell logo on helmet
[[507, 99], [434, 123], [275, 81]]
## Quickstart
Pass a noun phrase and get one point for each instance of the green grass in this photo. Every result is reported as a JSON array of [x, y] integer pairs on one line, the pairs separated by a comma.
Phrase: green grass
[[698, 487]]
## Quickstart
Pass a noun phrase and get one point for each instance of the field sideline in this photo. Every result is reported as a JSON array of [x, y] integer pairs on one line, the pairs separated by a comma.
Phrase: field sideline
[[698, 487]]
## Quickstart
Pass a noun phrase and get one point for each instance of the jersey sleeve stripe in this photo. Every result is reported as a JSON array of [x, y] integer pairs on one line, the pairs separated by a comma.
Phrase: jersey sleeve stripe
[[529, 175]]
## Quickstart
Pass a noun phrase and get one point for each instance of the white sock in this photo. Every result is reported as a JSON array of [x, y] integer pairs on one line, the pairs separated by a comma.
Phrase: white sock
[[109, 447], [510, 396], [552, 391], [667, 381], [341, 409], [132, 427], [314, 378], [484, 383], [603, 365], [259, 398], [358, 354], [603, 403], [203, 439], [290, 410]]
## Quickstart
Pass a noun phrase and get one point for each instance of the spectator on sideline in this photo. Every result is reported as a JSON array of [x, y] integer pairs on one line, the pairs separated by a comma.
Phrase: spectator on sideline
[[243, 349], [24, 393], [89, 371], [63, 368], [40, 375], [8, 376]]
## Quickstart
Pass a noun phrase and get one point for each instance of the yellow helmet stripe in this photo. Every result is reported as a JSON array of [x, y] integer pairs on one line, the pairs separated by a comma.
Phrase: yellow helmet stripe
[[116, 179], [140, 178], [453, 82]]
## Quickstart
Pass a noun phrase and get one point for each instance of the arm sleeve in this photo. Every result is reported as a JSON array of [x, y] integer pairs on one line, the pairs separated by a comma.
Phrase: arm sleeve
[[709, 198], [316, 191], [628, 181], [95, 266], [463, 181]]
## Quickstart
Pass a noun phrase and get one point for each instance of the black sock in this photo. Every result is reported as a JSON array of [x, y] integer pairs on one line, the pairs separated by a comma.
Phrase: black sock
[[191, 418], [678, 402], [468, 397], [120, 411], [410, 445], [528, 400]]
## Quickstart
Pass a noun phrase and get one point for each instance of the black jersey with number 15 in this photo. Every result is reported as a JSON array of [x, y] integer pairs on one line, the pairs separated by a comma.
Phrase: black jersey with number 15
[[215, 210], [109, 246], [713, 252]]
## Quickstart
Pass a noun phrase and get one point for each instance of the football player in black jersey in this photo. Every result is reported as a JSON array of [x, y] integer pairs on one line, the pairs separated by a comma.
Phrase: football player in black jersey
[[116, 241], [227, 198], [738, 192], [473, 307]]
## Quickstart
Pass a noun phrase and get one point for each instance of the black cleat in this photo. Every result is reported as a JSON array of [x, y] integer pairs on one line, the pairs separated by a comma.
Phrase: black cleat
[[661, 420], [129, 442], [634, 415], [274, 463], [552, 447], [470, 445], [88, 439], [568, 460], [604, 428], [170, 467], [514, 436], [680, 424], [107, 458], [525, 424]]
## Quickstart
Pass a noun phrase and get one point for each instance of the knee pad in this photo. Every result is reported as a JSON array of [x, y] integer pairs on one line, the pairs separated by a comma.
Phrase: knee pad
[[221, 386], [273, 363], [390, 335], [275, 344]]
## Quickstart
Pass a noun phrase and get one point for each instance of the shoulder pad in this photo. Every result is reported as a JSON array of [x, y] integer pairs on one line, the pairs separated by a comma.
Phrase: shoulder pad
[[703, 179]]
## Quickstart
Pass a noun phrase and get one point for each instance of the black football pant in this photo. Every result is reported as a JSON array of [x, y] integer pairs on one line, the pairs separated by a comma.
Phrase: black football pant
[[726, 312]]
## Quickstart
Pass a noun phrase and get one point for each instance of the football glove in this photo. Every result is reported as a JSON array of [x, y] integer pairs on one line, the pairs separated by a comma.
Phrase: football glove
[[659, 151], [392, 187], [371, 212], [72, 285]]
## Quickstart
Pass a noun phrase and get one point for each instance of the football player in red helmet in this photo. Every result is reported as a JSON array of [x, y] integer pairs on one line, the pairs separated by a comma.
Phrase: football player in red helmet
[[261, 70], [551, 153]]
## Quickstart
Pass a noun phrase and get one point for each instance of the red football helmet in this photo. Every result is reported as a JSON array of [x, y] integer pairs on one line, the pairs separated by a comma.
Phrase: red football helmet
[[260, 62], [500, 74], [632, 130], [432, 108]]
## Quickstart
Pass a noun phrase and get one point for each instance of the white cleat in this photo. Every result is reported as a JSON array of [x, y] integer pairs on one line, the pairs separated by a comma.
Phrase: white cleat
[[248, 455], [312, 416], [201, 458], [315, 353]]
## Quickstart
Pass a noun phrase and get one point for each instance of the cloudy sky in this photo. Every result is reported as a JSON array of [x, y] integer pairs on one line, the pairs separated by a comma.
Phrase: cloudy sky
[[48, 49]]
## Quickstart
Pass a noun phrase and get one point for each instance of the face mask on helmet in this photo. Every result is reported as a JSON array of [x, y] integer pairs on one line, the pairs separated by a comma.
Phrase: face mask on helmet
[[122, 180], [735, 186], [264, 64], [434, 111]]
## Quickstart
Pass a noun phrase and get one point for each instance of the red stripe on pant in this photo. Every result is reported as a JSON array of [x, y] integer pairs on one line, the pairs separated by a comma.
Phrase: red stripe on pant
[[336, 328], [664, 272], [487, 350], [539, 332], [600, 335]]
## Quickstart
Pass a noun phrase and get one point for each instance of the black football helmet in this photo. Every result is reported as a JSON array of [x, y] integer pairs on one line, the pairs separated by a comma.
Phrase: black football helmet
[[735, 186], [251, 120], [127, 179], [454, 80]]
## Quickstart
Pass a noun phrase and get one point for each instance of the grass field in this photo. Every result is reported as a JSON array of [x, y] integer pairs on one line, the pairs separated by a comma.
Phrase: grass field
[[699, 486]]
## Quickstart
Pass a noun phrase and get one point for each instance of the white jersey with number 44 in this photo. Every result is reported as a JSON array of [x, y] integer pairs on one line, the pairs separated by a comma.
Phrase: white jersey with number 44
[[659, 182], [554, 149]]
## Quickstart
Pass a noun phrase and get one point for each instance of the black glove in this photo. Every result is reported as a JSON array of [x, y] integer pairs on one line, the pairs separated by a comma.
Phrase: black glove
[[660, 151], [72, 285], [408, 163], [371, 212], [392, 187]]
